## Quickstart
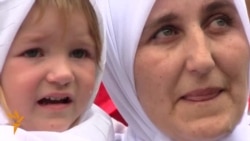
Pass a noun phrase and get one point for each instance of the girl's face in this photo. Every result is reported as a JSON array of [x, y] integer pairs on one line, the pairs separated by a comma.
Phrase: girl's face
[[50, 70], [191, 68]]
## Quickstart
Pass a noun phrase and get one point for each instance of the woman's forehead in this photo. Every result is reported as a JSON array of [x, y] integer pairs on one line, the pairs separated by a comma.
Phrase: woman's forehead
[[166, 7], [165, 11]]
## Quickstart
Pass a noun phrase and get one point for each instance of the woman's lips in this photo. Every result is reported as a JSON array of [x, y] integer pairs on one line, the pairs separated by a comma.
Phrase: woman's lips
[[200, 95]]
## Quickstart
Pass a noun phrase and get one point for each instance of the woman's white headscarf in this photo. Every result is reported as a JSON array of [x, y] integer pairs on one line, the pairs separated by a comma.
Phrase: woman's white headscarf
[[124, 22], [95, 125]]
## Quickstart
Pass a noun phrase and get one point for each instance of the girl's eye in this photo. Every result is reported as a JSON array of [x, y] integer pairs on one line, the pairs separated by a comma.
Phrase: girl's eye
[[79, 53], [31, 53], [166, 32]]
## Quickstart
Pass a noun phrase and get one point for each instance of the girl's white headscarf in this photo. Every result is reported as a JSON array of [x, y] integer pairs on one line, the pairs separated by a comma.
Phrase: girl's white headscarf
[[124, 22], [94, 125]]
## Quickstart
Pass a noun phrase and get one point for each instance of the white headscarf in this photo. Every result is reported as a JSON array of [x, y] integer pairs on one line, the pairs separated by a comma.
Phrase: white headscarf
[[125, 20], [94, 125]]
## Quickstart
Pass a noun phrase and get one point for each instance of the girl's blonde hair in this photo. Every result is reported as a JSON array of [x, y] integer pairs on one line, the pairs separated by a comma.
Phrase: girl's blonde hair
[[3, 102]]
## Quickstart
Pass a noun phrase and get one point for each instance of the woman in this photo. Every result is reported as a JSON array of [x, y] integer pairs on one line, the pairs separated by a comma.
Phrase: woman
[[178, 70]]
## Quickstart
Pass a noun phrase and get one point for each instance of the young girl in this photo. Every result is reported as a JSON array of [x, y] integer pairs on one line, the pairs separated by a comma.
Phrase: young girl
[[51, 67]]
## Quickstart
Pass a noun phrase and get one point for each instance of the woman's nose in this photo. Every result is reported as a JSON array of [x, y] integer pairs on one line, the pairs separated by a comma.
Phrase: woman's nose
[[200, 59], [60, 74]]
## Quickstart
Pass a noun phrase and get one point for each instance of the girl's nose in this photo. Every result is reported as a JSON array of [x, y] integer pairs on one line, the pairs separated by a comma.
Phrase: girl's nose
[[60, 74]]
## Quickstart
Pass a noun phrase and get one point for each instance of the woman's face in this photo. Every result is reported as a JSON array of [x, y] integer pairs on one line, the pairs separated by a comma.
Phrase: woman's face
[[191, 68]]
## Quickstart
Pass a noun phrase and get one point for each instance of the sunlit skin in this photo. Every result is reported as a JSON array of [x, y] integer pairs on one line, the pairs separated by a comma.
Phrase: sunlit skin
[[197, 87], [50, 59]]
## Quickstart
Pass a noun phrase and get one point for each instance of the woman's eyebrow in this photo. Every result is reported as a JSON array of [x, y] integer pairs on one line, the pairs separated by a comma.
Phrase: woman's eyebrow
[[216, 5], [170, 17], [208, 8]]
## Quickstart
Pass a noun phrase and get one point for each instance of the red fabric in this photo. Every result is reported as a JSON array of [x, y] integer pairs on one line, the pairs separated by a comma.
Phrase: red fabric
[[103, 100]]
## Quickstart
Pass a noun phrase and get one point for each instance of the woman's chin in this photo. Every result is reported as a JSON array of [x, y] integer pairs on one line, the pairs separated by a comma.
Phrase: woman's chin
[[207, 129]]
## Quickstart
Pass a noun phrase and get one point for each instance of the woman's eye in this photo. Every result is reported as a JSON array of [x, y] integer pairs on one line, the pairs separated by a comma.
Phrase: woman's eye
[[166, 32], [79, 53], [220, 24], [35, 52]]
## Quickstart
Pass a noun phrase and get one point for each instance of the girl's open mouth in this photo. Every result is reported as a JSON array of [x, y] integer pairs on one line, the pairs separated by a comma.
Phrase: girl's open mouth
[[54, 100]]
